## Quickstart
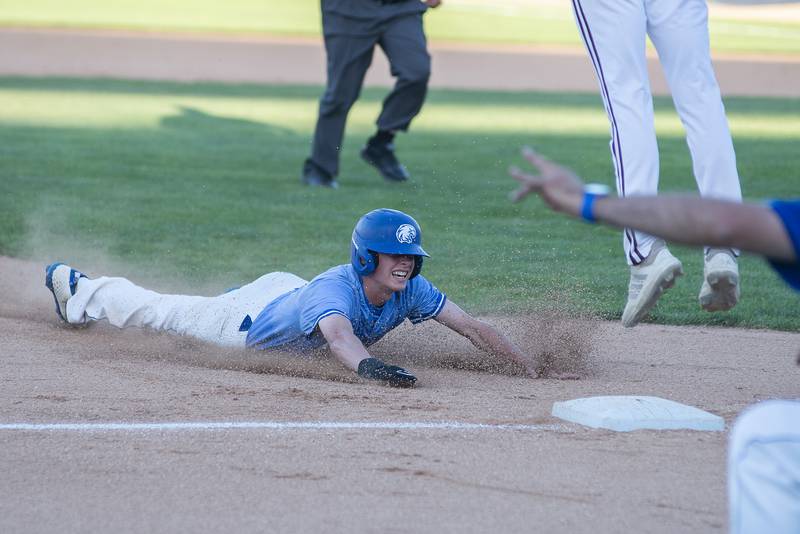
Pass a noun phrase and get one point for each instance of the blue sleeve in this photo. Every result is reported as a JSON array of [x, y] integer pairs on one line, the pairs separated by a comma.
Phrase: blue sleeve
[[426, 300], [789, 213], [322, 298]]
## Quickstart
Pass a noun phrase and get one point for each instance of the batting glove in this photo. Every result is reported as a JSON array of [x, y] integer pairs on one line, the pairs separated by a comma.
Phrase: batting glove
[[375, 369]]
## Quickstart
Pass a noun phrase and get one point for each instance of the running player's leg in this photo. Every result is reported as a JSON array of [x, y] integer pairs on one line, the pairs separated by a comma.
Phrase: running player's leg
[[614, 34], [679, 30], [348, 58], [404, 44]]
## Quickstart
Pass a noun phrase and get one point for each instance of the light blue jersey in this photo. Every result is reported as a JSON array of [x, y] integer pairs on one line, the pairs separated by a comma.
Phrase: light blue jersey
[[789, 212], [290, 321]]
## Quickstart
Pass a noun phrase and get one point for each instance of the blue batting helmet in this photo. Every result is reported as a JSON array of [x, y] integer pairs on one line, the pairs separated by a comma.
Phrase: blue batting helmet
[[388, 232]]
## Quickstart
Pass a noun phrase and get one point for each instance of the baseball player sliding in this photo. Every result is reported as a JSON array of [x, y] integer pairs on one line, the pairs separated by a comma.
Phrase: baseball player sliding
[[614, 33], [349, 306]]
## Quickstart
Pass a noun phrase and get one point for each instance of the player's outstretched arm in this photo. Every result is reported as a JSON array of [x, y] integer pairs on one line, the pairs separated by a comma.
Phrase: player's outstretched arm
[[344, 344], [681, 219], [484, 336], [349, 350]]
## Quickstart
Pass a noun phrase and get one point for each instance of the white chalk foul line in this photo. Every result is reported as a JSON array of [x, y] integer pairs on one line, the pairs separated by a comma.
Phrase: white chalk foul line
[[274, 425]]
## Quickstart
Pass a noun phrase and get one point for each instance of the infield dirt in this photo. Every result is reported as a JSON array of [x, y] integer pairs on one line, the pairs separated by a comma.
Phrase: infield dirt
[[570, 479]]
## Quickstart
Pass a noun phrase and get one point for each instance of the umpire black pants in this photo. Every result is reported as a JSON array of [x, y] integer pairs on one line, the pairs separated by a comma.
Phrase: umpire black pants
[[402, 39]]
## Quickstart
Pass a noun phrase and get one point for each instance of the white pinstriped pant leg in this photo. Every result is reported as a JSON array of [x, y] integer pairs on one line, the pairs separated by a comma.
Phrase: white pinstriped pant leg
[[679, 31], [614, 34], [764, 469], [215, 320]]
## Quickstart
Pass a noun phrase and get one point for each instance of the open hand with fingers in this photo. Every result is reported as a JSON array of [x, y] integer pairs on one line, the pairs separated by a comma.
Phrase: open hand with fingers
[[559, 186]]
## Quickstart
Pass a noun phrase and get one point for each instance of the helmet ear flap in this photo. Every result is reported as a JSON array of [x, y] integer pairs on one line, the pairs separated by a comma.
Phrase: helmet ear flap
[[369, 262], [364, 261]]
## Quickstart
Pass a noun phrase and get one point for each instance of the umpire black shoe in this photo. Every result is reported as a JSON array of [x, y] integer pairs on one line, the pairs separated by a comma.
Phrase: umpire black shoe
[[382, 158], [313, 175]]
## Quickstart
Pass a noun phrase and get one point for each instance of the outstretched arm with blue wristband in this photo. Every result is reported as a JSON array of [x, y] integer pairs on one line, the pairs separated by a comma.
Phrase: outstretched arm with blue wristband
[[685, 219]]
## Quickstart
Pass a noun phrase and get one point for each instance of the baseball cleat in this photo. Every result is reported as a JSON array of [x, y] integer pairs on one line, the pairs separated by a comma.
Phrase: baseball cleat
[[382, 157], [62, 281], [648, 281], [315, 176], [720, 289]]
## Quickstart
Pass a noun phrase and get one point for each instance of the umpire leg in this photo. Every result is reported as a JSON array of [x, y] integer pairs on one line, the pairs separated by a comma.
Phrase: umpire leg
[[349, 57], [403, 42]]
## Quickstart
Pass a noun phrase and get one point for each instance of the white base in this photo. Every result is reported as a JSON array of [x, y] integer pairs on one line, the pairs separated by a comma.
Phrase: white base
[[627, 412]]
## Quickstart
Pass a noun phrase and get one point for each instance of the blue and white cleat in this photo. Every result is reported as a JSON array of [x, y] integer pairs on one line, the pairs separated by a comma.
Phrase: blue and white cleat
[[62, 281]]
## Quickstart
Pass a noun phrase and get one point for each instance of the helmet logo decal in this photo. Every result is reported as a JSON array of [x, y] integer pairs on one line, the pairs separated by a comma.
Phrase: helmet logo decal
[[406, 233]]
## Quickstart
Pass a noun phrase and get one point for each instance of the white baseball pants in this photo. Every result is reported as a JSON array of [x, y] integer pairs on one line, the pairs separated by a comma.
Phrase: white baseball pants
[[764, 469], [215, 320], [614, 32]]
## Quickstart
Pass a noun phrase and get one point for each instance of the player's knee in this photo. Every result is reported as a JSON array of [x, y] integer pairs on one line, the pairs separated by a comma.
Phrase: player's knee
[[335, 104], [418, 77], [417, 73]]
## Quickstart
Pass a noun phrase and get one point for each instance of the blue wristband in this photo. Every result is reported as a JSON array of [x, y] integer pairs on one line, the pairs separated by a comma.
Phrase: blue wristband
[[587, 213]]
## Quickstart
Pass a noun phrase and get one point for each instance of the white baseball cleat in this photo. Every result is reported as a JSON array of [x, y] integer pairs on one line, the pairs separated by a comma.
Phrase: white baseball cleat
[[720, 289], [62, 281], [648, 281]]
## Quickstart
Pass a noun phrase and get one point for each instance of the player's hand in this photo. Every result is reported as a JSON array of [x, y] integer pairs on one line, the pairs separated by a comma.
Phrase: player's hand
[[374, 369], [557, 185], [433, 3]]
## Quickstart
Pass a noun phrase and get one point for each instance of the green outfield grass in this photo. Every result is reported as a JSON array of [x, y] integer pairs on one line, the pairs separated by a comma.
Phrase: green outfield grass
[[458, 20], [196, 186]]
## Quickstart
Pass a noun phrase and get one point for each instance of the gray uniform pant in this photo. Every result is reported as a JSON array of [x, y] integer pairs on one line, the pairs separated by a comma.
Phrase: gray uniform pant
[[402, 39]]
